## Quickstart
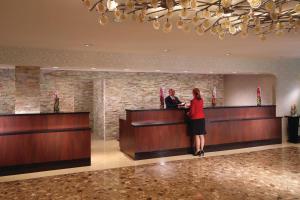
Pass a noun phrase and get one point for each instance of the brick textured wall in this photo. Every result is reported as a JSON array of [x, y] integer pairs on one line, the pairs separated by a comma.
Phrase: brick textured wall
[[7, 91], [98, 107], [105, 95], [27, 83], [141, 90], [74, 88]]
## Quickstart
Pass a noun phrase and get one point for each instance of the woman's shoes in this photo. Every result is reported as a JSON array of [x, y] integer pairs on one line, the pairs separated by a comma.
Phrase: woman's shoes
[[197, 153], [201, 153]]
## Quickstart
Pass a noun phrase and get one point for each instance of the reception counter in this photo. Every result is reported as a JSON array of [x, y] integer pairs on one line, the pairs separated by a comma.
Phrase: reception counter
[[148, 133], [35, 142]]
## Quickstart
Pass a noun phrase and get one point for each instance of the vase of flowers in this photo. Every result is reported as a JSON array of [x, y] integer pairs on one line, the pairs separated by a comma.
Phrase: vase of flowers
[[161, 98], [258, 96], [56, 103], [214, 97]]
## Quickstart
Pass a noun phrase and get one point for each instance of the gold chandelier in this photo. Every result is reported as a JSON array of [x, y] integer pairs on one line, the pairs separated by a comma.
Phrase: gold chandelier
[[219, 17]]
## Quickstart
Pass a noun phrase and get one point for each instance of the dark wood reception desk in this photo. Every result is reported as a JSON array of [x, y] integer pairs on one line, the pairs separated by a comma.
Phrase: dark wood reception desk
[[148, 133], [35, 142]]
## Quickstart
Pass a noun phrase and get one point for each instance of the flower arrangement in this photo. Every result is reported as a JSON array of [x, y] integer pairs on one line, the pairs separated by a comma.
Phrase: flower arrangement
[[56, 102], [161, 98], [258, 98], [214, 96]]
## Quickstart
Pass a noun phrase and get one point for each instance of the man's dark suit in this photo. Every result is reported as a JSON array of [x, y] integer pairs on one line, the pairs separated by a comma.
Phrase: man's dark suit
[[170, 103]]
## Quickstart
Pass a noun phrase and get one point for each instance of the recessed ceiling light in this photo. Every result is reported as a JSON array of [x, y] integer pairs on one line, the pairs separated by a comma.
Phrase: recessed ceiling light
[[55, 67], [234, 72], [211, 72], [228, 54], [126, 69], [166, 50], [93, 68], [157, 70], [186, 71]]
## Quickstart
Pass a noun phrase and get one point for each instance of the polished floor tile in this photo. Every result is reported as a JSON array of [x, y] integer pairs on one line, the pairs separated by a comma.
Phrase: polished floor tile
[[266, 174], [107, 155]]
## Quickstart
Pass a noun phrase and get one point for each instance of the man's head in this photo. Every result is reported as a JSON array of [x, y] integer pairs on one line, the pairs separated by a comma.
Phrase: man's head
[[171, 92]]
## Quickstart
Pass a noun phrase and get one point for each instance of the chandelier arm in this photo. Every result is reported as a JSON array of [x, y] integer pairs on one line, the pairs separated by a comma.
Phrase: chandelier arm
[[244, 1], [213, 3], [95, 4], [202, 9], [135, 10], [286, 12], [241, 6], [163, 9], [238, 23], [239, 18], [214, 24], [152, 19]]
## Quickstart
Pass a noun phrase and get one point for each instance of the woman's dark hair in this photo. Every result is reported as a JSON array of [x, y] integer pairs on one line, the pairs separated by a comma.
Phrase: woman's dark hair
[[197, 94]]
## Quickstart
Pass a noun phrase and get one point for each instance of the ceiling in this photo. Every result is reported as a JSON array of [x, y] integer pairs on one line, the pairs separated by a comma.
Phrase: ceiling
[[67, 24]]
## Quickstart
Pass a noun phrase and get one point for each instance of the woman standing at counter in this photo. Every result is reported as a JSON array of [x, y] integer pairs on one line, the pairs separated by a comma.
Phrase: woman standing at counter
[[197, 122]]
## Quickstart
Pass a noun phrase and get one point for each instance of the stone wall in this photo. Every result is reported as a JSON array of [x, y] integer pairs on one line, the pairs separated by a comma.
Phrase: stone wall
[[98, 108], [27, 83], [74, 88], [7, 91], [141, 90], [105, 95]]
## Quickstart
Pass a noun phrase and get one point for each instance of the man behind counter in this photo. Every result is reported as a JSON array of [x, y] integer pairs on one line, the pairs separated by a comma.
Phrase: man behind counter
[[172, 101]]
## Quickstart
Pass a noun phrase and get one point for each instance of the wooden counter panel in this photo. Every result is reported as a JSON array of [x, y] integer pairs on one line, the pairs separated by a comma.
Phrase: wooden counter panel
[[18, 123], [44, 147], [211, 113], [225, 126], [127, 139], [243, 131], [156, 115], [156, 138], [240, 113]]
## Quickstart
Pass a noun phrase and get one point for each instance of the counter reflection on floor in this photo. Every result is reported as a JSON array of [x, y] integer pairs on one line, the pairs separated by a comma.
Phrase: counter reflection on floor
[[267, 174], [107, 155]]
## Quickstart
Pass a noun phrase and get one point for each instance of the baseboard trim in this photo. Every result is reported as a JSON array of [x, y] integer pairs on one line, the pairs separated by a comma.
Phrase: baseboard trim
[[209, 148], [38, 167], [294, 140]]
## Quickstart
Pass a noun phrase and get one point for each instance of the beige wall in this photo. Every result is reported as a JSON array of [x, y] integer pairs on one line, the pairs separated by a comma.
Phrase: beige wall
[[241, 89]]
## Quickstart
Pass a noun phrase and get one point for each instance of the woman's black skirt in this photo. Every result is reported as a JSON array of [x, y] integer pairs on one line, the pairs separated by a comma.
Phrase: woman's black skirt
[[197, 126]]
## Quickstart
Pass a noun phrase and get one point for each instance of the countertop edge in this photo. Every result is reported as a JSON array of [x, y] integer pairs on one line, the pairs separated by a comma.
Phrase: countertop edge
[[179, 109], [165, 123], [43, 131], [60, 113]]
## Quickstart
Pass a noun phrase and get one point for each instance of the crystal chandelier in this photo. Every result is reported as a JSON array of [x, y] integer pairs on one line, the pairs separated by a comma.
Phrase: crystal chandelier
[[219, 17]]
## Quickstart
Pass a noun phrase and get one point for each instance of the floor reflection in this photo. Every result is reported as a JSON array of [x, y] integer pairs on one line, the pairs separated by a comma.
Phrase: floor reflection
[[268, 174]]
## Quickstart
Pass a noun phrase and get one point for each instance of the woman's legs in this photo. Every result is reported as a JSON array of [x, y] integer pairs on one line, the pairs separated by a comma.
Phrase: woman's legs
[[202, 142], [197, 143]]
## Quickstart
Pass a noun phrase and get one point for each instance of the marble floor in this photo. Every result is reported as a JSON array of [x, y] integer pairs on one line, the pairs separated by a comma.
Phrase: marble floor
[[106, 155], [265, 174]]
